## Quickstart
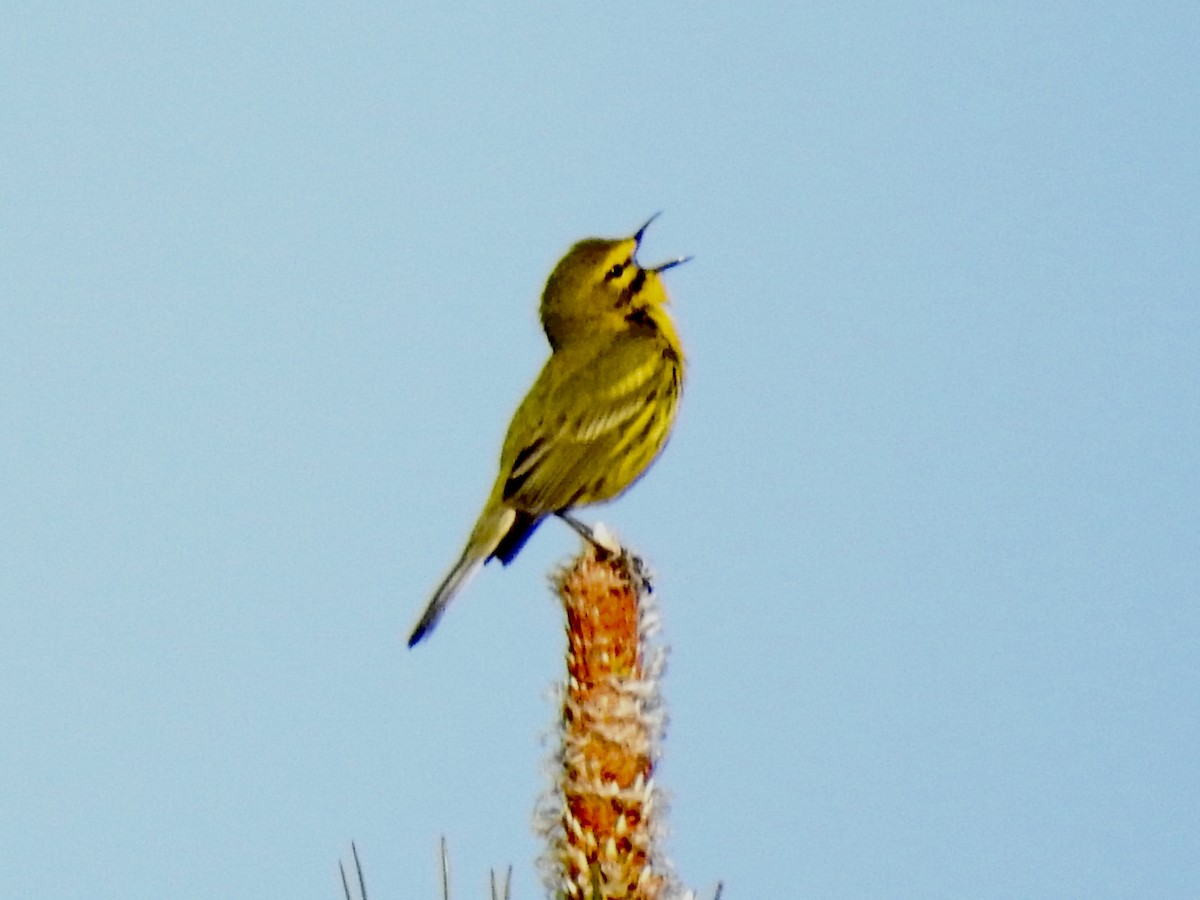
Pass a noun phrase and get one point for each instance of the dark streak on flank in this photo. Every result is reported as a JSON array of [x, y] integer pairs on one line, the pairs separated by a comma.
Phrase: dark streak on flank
[[651, 421], [673, 367], [674, 364]]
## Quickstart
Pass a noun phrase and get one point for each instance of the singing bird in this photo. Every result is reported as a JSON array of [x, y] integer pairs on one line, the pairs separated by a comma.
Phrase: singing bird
[[599, 413]]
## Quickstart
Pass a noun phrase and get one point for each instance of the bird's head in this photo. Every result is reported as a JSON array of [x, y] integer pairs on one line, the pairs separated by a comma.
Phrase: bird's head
[[598, 285]]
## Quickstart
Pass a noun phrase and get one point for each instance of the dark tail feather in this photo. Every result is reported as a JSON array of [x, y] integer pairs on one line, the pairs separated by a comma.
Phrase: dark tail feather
[[467, 566], [514, 539], [492, 527]]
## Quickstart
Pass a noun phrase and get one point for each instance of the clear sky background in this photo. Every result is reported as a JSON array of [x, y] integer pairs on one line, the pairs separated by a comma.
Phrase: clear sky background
[[927, 536]]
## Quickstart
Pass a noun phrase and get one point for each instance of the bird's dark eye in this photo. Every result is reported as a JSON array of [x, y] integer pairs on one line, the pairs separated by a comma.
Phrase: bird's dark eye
[[615, 271]]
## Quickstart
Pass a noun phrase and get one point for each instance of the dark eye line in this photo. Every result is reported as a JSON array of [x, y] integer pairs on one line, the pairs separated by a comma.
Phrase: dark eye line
[[616, 270]]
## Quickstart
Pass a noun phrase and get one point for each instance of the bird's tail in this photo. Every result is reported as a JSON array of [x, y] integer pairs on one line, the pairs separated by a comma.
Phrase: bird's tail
[[492, 526]]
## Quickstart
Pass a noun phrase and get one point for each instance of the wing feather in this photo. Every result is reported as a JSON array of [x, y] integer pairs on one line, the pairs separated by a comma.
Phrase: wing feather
[[573, 428]]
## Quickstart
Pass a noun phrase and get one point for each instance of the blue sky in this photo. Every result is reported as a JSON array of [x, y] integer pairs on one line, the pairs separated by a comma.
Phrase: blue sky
[[927, 535]]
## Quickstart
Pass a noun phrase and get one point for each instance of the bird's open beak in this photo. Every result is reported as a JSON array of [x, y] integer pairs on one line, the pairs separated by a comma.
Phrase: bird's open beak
[[662, 267], [637, 236]]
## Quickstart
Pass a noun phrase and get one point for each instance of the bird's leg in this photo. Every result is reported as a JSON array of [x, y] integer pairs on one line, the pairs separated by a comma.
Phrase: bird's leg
[[608, 545], [582, 529], [598, 536]]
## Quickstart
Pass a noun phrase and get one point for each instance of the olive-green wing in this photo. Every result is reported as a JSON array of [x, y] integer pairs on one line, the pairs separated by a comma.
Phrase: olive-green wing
[[590, 425]]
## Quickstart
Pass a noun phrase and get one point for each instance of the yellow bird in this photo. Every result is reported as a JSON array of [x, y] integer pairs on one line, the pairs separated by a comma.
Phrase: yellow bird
[[597, 416]]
